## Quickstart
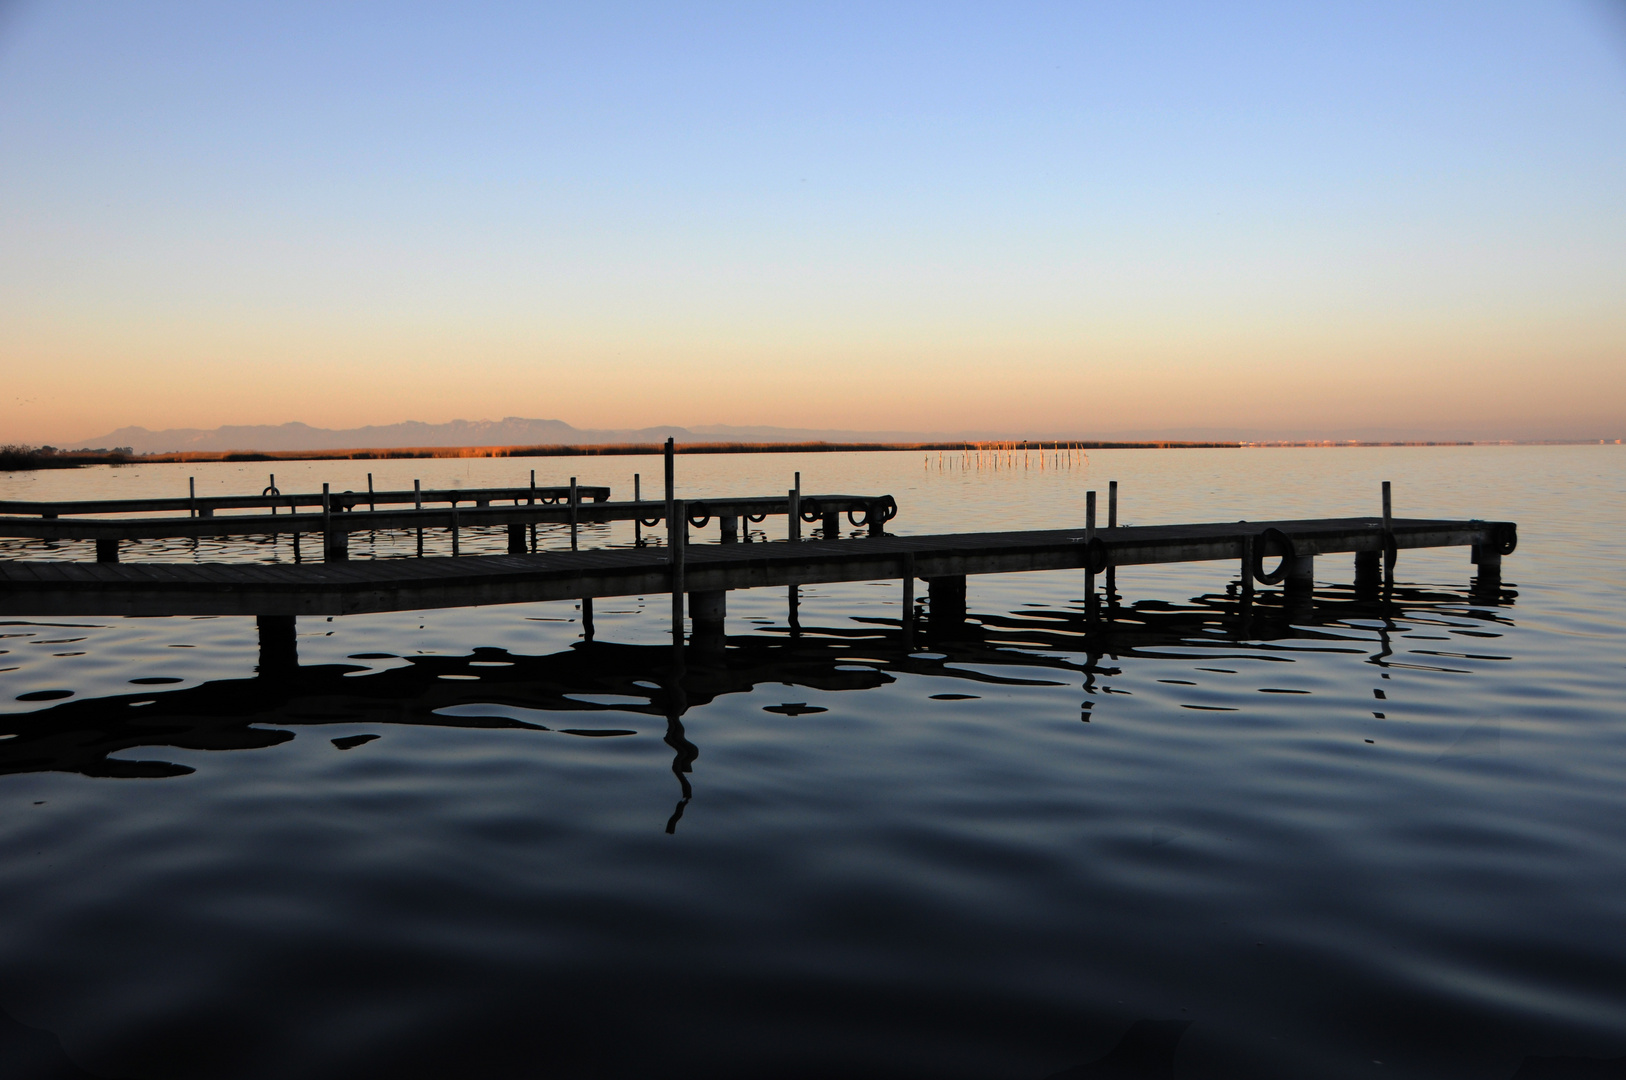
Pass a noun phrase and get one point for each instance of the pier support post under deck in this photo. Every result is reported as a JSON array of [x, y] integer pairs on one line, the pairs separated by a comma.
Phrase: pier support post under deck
[[279, 649], [336, 545], [1368, 572], [708, 606], [516, 538], [107, 549], [832, 524], [706, 611], [946, 596], [1489, 578], [728, 526], [1300, 574]]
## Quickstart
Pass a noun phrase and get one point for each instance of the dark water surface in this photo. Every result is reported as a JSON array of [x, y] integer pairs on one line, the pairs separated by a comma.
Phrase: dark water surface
[[1200, 839]]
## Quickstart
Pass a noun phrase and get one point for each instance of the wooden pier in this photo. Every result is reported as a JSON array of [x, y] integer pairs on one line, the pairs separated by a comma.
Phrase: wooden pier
[[709, 571]]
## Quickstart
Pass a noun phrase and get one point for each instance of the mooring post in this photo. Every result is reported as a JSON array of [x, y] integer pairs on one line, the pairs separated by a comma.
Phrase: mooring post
[[832, 524], [1089, 570], [1112, 523], [279, 646], [1247, 566], [370, 504], [1389, 552], [192, 495], [417, 504], [575, 506], [676, 526], [454, 529], [335, 541], [670, 489], [107, 549], [876, 517], [795, 532], [728, 528], [516, 538], [637, 512]]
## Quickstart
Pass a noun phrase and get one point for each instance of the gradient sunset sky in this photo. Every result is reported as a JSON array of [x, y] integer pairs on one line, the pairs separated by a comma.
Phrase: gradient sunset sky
[[1033, 219]]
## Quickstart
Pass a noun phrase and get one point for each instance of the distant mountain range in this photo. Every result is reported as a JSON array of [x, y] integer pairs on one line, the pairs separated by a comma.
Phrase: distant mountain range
[[510, 431], [518, 431]]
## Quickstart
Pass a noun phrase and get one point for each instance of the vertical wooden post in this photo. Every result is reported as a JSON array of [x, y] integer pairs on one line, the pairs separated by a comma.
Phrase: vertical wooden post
[[417, 504], [279, 645], [192, 495], [1112, 523], [107, 549], [637, 513], [1388, 509], [832, 524], [1247, 566], [1089, 534], [335, 542], [677, 525], [587, 617], [532, 502], [671, 490], [728, 528], [271, 489], [1388, 535], [371, 505], [908, 598], [793, 532], [575, 505]]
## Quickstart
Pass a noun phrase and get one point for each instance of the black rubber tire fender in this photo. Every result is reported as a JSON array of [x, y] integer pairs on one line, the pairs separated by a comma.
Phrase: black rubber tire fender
[[1261, 545]]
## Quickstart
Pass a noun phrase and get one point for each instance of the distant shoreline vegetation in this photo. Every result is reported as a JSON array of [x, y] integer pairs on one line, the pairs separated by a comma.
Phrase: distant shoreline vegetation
[[17, 458]]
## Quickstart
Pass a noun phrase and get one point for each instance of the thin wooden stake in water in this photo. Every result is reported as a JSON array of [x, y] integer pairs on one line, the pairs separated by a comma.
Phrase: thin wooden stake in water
[[417, 504], [637, 524], [192, 495], [370, 504], [574, 504], [1388, 509]]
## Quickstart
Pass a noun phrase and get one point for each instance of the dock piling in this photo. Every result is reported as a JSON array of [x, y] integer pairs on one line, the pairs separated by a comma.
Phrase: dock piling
[[677, 526], [575, 511], [335, 541], [107, 549], [279, 644], [637, 522]]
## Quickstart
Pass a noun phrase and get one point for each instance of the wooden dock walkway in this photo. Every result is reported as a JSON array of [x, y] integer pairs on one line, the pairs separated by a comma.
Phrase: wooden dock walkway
[[709, 571]]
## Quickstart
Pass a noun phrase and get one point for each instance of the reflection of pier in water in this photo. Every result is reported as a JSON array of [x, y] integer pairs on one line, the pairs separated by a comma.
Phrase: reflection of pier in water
[[1059, 645]]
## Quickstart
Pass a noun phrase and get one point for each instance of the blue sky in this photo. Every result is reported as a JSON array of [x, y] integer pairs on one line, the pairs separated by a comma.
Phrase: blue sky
[[1280, 218]]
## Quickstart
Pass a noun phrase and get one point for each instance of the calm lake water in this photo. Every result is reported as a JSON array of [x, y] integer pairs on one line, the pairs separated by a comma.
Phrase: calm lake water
[[1356, 840]]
